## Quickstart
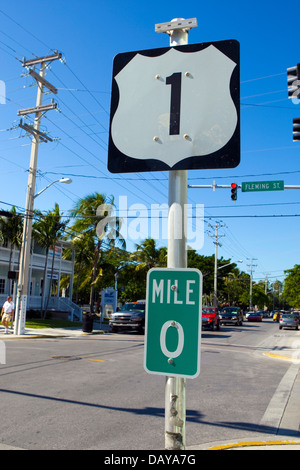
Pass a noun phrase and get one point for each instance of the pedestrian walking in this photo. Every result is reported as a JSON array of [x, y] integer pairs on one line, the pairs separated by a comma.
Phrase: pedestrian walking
[[7, 313]]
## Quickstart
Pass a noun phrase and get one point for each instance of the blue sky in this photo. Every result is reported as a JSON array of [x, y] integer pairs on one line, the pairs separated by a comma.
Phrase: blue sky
[[89, 34]]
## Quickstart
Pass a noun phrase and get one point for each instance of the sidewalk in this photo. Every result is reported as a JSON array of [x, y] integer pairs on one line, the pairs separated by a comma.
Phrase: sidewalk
[[54, 332], [282, 416]]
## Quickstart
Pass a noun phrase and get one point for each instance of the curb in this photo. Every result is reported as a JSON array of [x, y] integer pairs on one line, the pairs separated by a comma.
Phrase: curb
[[255, 444], [281, 356], [52, 335]]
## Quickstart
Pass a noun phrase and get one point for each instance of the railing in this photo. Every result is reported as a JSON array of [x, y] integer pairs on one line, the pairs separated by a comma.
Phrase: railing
[[64, 304]]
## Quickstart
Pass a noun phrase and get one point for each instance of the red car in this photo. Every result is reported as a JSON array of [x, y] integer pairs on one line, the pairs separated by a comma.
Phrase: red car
[[210, 318], [254, 316]]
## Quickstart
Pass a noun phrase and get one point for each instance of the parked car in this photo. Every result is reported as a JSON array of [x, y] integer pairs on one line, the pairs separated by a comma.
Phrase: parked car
[[231, 316], [297, 314], [288, 320], [254, 316], [130, 317], [210, 318], [248, 313]]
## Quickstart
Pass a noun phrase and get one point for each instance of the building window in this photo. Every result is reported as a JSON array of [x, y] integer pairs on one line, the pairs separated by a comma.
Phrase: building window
[[2, 286]]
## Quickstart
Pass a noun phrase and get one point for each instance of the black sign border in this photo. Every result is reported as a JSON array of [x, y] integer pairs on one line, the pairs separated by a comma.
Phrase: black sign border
[[227, 157]]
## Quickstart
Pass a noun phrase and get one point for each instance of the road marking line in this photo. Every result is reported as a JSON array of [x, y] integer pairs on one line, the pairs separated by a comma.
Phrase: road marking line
[[72, 358], [279, 356], [94, 360]]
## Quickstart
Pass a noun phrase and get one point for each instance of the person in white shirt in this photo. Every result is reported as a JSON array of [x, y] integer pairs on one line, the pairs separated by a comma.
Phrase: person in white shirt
[[7, 313]]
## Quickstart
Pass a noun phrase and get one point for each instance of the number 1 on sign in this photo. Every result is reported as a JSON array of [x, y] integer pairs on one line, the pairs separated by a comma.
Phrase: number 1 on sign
[[175, 81]]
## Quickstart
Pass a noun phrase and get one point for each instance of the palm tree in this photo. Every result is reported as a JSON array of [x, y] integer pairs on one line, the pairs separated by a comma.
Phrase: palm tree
[[147, 256], [11, 229], [93, 218], [46, 231], [84, 247]]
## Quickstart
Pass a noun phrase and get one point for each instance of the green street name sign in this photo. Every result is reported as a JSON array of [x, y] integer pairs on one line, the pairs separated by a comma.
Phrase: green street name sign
[[263, 186], [173, 322]]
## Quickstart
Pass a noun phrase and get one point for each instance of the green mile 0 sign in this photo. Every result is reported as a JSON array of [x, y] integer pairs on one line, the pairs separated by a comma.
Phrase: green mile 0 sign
[[173, 322]]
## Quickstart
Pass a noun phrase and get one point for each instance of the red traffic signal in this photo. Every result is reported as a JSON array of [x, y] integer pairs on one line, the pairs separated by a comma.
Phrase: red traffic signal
[[234, 187]]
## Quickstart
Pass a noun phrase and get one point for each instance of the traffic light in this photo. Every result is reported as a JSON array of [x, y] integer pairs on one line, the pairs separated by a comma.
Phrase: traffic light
[[296, 129], [234, 187], [293, 79]]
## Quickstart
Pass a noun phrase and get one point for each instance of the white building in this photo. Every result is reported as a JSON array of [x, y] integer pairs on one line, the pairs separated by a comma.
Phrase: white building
[[60, 299]]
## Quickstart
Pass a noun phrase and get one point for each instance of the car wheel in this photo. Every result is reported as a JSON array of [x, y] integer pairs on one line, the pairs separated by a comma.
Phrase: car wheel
[[280, 327], [218, 326], [212, 327]]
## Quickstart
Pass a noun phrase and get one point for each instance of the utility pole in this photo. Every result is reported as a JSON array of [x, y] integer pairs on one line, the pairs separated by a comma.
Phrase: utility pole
[[217, 243], [251, 265], [22, 288]]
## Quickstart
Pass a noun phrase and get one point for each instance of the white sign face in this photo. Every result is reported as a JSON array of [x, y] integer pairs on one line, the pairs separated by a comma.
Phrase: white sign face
[[174, 106], [141, 125]]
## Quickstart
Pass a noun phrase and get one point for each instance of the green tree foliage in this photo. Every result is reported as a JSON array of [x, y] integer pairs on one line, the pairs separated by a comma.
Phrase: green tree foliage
[[291, 290], [11, 229], [93, 220], [46, 231]]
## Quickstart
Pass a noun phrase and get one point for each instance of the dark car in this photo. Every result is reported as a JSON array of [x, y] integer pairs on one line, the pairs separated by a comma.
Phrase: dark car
[[231, 316], [210, 318], [130, 317]]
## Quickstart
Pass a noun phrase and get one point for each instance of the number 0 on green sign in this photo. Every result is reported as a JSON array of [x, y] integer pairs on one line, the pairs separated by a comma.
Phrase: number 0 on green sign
[[173, 322]]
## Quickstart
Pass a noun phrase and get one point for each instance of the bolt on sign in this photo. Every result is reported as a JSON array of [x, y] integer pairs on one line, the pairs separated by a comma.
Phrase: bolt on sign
[[173, 322], [175, 108]]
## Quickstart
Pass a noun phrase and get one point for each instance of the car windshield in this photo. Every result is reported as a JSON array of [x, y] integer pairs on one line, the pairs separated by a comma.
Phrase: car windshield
[[133, 307], [232, 311], [208, 310], [286, 315]]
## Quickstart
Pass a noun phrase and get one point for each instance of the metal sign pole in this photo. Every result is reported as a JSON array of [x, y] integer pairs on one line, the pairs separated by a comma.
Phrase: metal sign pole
[[175, 387]]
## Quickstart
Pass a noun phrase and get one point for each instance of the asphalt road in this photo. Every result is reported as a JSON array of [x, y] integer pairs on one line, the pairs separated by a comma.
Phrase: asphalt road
[[92, 392]]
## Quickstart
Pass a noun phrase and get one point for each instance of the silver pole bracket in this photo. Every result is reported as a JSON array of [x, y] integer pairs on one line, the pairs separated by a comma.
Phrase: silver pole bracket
[[178, 23]]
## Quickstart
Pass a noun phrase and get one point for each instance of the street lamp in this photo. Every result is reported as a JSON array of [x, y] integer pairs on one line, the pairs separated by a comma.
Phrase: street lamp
[[22, 288], [62, 180], [228, 264], [215, 279]]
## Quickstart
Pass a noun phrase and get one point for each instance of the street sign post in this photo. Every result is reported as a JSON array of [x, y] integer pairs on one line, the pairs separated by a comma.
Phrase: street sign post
[[175, 108], [254, 186], [173, 322]]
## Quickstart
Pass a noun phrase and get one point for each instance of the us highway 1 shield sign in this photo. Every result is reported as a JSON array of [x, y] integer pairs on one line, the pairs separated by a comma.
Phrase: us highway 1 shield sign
[[175, 108]]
